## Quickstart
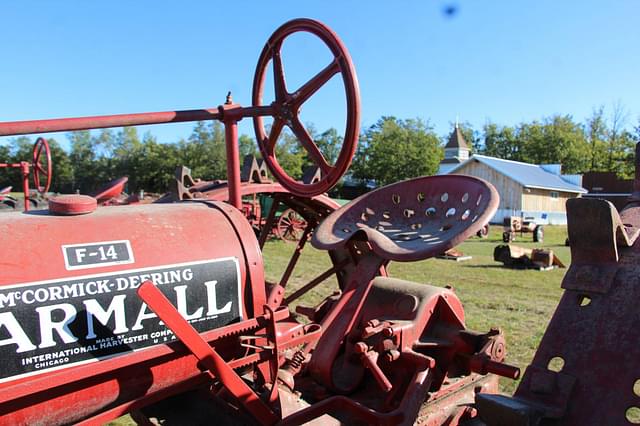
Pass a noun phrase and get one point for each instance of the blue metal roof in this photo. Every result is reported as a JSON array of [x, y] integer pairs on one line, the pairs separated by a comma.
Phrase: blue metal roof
[[528, 175]]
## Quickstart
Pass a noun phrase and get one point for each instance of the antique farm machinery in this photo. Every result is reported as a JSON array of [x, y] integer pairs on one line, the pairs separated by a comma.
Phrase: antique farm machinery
[[265, 204], [42, 171], [6, 198], [162, 310], [512, 225]]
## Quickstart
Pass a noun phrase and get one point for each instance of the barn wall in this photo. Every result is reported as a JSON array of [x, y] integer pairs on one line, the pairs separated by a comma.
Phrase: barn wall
[[516, 201], [510, 191], [540, 200]]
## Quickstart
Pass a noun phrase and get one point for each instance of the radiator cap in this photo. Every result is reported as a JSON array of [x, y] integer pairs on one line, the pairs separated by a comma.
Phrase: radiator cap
[[71, 205]]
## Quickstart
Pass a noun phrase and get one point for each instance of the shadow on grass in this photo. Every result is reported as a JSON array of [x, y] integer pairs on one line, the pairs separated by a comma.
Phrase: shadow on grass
[[485, 266]]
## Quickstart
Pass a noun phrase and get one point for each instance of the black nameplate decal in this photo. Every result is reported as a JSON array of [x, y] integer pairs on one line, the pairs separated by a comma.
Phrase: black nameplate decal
[[95, 255], [55, 324]]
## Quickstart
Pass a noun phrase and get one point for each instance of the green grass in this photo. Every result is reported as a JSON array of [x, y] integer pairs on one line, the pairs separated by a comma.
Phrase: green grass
[[520, 302], [18, 195]]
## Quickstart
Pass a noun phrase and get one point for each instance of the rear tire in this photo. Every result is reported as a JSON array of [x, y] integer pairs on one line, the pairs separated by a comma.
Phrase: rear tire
[[538, 234]]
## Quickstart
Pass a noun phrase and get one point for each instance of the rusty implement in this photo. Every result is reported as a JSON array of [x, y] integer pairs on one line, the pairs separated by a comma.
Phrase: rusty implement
[[455, 255], [42, 168], [264, 202], [517, 257]]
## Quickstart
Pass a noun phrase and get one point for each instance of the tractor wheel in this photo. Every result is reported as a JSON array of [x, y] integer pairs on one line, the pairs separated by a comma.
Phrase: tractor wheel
[[290, 226], [506, 237], [484, 232], [538, 234]]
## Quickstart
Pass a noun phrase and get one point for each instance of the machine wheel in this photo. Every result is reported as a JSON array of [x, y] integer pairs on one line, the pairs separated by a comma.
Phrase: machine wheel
[[484, 232], [286, 107], [507, 237], [290, 226], [538, 234], [42, 173], [8, 204]]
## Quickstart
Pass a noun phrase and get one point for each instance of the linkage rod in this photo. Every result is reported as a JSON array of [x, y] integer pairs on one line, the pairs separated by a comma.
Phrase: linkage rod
[[14, 128]]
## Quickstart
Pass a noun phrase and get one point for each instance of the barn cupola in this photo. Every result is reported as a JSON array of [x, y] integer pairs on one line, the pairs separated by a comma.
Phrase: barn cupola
[[456, 151], [457, 147]]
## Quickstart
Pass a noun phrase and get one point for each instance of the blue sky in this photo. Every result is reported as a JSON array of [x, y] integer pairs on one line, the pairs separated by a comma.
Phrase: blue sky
[[505, 61]]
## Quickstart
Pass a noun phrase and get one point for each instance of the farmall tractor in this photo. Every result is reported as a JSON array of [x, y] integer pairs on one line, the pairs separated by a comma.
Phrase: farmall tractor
[[162, 310]]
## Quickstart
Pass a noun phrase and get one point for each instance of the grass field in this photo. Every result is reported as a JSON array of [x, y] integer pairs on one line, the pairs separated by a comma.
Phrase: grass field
[[521, 302]]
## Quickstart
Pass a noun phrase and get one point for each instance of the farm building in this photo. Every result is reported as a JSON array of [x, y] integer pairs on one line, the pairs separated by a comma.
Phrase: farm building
[[456, 151], [528, 190], [607, 186]]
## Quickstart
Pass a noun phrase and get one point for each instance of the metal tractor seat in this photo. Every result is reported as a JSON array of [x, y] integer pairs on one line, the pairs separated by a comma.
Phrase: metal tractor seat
[[414, 219], [111, 189]]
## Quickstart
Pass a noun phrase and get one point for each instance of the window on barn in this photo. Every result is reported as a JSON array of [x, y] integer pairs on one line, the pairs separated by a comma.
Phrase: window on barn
[[554, 195]]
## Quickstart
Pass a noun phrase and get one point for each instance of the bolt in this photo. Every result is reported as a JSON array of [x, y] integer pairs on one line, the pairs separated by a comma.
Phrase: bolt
[[387, 331], [373, 323], [387, 345], [361, 347]]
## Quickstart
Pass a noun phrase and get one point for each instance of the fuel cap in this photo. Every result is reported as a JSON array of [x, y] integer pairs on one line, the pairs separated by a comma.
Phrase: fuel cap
[[70, 205]]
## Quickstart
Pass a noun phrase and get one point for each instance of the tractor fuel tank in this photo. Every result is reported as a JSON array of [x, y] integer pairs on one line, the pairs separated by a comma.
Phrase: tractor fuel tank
[[73, 331]]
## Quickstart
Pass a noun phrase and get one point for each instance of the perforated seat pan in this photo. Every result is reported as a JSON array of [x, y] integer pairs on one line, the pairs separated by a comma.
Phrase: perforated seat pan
[[414, 219]]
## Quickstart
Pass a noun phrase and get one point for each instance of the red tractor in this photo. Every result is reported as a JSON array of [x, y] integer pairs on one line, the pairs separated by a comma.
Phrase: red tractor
[[162, 310], [513, 225]]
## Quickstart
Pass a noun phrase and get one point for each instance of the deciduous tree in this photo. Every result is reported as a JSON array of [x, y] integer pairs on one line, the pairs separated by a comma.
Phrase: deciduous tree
[[394, 149]]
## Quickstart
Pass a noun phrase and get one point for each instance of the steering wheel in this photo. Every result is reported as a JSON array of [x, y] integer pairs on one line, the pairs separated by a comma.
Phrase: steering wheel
[[286, 107], [414, 219], [42, 173]]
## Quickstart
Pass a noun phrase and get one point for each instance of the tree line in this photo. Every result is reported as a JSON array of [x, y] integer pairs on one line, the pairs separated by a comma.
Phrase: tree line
[[392, 149], [95, 158], [601, 143]]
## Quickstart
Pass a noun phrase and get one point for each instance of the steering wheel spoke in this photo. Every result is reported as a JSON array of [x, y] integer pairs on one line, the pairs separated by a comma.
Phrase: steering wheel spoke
[[274, 134], [308, 89], [309, 145], [280, 84]]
